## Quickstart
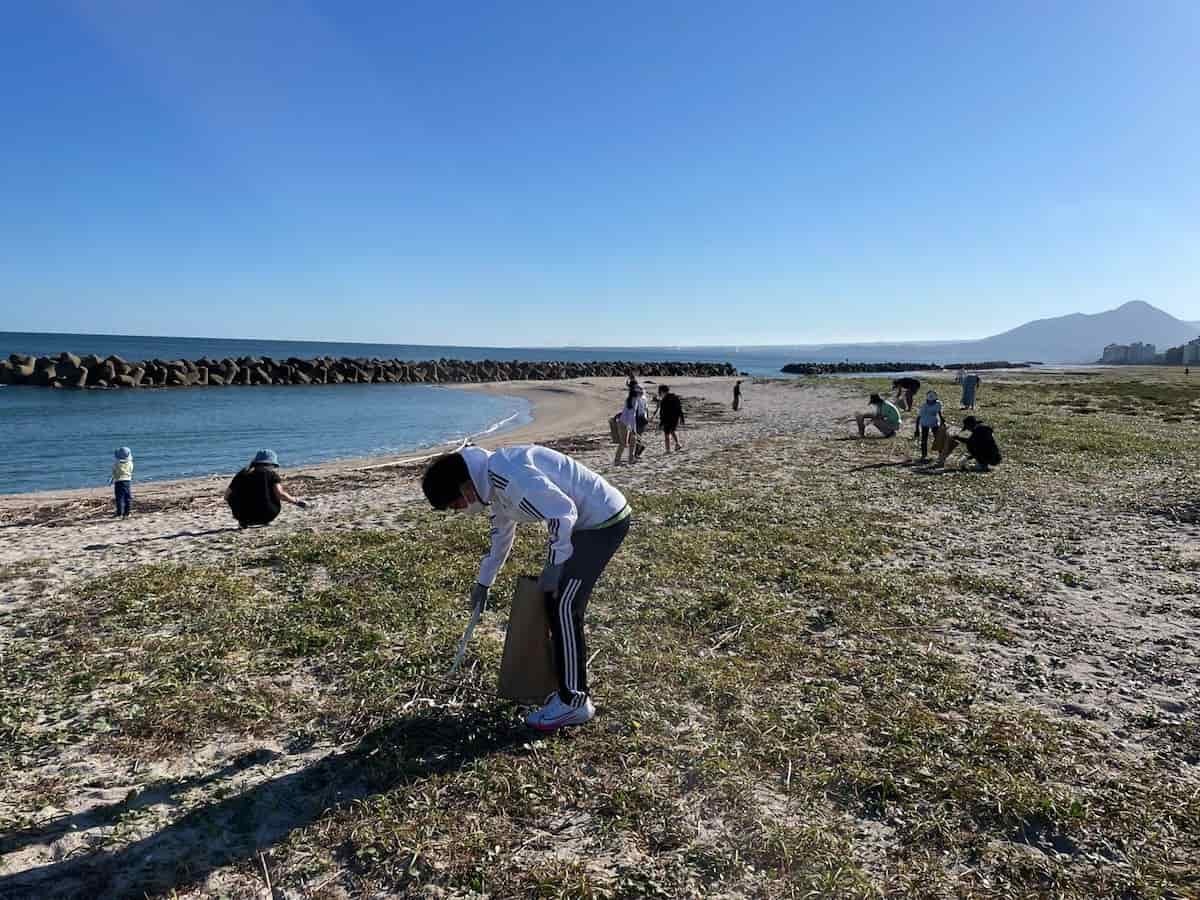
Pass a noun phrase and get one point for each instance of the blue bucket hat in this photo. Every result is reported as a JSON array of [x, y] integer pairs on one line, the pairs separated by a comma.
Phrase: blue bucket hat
[[123, 453], [265, 458]]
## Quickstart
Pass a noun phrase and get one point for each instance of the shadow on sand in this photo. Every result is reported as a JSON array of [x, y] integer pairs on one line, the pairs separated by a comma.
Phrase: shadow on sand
[[163, 537], [185, 852], [900, 464]]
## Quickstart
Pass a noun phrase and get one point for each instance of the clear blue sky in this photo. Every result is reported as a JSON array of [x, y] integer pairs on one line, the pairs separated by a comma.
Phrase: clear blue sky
[[607, 173]]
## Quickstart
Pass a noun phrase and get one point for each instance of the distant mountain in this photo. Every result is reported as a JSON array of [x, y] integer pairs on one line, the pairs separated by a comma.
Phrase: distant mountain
[[1074, 338]]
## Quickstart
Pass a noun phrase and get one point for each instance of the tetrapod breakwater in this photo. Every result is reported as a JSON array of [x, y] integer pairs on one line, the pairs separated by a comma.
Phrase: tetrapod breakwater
[[70, 371]]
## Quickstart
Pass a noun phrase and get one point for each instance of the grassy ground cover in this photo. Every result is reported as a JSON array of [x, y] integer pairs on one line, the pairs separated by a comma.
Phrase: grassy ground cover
[[780, 716]]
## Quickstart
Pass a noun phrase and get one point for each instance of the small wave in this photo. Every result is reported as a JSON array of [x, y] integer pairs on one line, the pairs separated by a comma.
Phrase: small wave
[[497, 425]]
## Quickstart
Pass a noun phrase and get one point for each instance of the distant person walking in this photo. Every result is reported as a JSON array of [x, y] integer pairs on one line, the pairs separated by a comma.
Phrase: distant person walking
[[929, 420], [122, 482], [906, 388], [256, 494], [970, 384], [884, 415], [737, 396], [632, 416], [670, 416]]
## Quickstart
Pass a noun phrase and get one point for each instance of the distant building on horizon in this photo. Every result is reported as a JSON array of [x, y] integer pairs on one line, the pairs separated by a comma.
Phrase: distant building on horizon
[[1191, 352], [1135, 354]]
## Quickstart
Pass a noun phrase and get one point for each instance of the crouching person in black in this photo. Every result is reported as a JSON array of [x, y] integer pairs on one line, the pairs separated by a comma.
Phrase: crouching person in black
[[256, 494], [979, 441]]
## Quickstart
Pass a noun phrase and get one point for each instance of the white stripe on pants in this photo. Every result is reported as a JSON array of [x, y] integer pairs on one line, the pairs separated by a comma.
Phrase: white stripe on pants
[[593, 550], [570, 646]]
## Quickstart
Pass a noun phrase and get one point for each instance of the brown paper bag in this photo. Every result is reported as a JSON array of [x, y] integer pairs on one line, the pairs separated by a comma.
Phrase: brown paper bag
[[527, 667]]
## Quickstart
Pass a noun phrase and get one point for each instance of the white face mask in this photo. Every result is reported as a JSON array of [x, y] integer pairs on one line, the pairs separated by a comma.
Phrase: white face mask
[[474, 508]]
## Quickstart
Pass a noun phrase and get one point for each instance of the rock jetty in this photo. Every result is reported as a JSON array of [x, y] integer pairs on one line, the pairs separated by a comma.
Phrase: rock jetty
[[834, 368], [70, 371]]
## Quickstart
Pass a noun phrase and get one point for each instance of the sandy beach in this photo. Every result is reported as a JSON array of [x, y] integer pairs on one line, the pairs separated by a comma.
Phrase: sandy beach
[[185, 518], [1061, 593]]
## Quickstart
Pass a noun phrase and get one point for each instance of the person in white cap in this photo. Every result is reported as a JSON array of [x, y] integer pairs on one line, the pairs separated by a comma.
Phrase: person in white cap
[[929, 420]]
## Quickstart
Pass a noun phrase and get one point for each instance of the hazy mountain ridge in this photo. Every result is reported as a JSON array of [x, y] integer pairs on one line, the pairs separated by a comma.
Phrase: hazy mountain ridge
[[1073, 338]]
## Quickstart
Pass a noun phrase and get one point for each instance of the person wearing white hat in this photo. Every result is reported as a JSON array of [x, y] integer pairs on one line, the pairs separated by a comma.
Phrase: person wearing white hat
[[929, 420]]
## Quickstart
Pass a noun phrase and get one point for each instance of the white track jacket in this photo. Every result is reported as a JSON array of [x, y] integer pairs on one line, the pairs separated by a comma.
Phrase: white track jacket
[[537, 484]]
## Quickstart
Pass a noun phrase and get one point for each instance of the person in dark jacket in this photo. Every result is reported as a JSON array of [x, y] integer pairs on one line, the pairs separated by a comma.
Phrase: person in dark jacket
[[256, 492], [906, 388], [979, 441], [670, 416]]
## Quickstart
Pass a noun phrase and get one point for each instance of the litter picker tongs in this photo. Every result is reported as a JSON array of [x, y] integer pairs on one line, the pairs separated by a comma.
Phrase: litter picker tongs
[[476, 614]]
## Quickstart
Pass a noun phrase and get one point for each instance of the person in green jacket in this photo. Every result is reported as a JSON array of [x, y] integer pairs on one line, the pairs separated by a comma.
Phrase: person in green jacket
[[884, 415]]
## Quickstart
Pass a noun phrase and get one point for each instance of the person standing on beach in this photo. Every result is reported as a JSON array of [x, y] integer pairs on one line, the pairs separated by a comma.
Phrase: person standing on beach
[[884, 415], [122, 482], [256, 494], [929, 419], [737, 396], [969, 385], [587, 520], [670, 416], [631, 420]]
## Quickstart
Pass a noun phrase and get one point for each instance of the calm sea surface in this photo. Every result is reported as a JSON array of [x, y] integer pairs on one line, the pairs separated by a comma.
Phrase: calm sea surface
[[65, 439]]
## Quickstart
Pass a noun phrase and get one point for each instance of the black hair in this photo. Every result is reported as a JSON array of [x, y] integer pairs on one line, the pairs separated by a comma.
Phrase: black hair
[[663, 389], [875, 398], [629, 399], [444, 479], [970, 422]]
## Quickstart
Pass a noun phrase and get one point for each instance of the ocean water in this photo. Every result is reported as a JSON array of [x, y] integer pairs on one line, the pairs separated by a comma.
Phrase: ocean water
[[65, 439]]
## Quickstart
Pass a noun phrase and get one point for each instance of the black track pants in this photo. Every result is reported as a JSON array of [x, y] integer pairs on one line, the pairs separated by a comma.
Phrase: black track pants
[[592, 551]]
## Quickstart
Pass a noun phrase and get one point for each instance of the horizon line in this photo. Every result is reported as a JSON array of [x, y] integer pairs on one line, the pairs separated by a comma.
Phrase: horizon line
[[726, 346]]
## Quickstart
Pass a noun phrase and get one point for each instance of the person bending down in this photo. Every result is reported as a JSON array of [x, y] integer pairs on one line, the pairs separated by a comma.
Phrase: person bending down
[[256, 493], [906, 388], [587, 519], [979, 441], [884, 416]]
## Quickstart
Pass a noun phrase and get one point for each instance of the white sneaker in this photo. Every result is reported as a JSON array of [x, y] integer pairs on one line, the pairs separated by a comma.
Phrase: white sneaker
[[556, 714]]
